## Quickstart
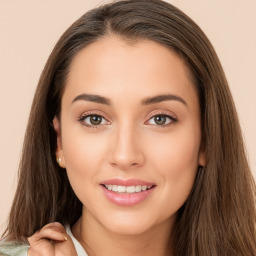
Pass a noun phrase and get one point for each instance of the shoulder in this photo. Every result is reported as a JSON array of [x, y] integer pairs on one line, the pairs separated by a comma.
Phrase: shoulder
[[79, 249], [12, 248]]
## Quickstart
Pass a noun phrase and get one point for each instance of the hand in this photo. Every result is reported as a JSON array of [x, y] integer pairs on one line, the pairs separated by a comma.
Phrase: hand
[[51, 240]]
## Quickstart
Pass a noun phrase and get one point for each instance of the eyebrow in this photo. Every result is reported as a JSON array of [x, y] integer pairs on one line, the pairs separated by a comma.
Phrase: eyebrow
[[160, 98], [146, 101], [93, 98]]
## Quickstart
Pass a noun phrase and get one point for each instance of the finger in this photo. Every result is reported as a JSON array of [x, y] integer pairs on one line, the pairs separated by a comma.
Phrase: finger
[[49, 235], [55, 225], [51, 232]]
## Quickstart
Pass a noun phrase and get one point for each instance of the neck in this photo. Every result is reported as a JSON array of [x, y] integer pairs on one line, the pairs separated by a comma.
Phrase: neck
[[98, 241]]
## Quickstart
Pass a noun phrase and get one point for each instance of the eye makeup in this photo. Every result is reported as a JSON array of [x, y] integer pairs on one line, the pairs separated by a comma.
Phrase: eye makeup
[[95, 119], [90, 114], [165, 115]]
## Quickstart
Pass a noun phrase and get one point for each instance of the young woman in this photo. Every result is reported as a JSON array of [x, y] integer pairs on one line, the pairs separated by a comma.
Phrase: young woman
[[133, 145]]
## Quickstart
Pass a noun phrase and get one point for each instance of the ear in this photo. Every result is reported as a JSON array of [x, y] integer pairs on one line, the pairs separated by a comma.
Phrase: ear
[[59, 151]]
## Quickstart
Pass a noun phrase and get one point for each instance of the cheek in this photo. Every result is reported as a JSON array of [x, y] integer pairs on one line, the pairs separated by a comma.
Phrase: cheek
[[176, 160], [84, 154], [82, 149], [176, 152]]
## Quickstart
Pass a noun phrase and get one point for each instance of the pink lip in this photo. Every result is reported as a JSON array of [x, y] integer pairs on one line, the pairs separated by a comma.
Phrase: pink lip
[[129, 182], [127, 199]]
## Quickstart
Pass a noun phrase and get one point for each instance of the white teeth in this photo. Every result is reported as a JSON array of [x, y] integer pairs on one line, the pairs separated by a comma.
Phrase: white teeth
[[121, 189], [127, 189], [130, 189], [109, 187], [138, 188], [114, 188], [144, 188]]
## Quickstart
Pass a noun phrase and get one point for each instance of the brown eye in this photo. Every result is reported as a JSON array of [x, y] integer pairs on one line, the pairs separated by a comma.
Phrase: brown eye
[[160, 120], [95, 119]]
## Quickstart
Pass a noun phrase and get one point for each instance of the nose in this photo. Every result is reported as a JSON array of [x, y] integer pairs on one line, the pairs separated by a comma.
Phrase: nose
[[126, 151]]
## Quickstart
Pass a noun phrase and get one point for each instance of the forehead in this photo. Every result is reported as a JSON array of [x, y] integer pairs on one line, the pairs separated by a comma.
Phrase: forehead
[[112, 66]]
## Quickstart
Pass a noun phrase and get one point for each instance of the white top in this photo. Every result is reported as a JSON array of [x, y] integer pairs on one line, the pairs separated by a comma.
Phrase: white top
[[79, 249], [17, 249]]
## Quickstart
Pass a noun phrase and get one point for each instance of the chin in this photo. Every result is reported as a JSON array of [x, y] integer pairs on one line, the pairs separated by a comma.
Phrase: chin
[[128, 225], [126, 229]]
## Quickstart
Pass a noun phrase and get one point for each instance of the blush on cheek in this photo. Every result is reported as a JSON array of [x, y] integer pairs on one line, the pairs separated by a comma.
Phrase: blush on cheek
[[180, 157]]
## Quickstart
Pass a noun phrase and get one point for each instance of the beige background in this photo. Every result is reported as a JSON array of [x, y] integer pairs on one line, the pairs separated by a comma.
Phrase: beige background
[[29, 30]]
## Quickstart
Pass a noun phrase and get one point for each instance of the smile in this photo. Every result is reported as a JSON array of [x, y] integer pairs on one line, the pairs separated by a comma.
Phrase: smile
[[127, 189], [127, 192]]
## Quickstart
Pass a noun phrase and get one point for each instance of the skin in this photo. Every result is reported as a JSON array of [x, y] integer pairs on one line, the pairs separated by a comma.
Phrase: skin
[[129, 143], [51, 240]]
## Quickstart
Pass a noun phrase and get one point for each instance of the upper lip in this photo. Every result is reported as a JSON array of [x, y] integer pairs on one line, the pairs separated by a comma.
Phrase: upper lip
[[128, 182]]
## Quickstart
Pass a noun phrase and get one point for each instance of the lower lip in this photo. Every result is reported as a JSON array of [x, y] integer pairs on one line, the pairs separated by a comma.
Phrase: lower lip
[[127, 199]]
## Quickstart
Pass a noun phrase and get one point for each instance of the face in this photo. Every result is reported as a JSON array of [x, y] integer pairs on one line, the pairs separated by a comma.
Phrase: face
[[130, 134]]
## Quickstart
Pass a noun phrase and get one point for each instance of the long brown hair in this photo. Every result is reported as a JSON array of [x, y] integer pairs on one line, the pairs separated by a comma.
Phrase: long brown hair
[[219, 216]]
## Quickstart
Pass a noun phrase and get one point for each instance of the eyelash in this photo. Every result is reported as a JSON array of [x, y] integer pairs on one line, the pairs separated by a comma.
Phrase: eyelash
[[173, 119]]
